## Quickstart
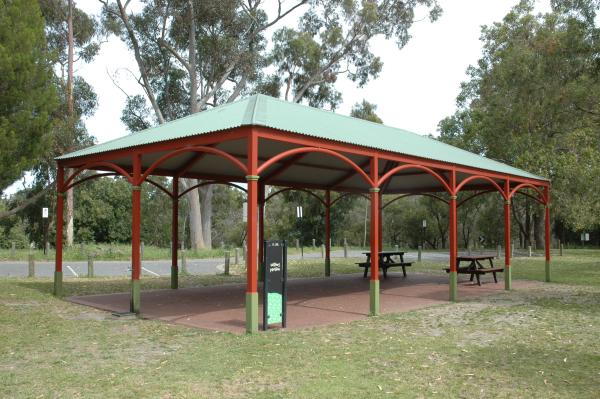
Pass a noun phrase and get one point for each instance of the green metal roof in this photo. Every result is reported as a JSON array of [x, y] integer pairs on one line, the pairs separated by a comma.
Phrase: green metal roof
[[261, 110]]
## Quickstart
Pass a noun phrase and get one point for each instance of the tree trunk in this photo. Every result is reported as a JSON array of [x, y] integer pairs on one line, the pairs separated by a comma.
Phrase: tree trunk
[[71, 120], [70, 211], [194, 215], [206, 194], [539, 227]]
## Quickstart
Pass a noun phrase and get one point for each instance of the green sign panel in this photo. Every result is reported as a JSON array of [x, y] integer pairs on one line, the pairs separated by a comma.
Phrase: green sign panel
[[275, 308], [274, 289]]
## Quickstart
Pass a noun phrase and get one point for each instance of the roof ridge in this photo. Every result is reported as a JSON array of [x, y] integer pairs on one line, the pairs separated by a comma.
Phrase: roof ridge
[[254, 97], [218, 107]]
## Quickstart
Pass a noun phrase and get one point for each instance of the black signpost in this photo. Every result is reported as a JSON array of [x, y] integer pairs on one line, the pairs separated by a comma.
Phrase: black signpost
[[274, 287]]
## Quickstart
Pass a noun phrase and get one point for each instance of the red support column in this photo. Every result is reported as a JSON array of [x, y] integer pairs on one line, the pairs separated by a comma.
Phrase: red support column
[[327, 233], [453, 238], [175, 234], [252, 242], [261, 230], [58, 274], [136, 264], [380, 224], [547, 233], [375, 209], [507, 243]]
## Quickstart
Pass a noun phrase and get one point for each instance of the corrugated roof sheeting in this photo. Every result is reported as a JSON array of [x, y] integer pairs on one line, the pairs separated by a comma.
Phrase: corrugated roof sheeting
[[261, 110]]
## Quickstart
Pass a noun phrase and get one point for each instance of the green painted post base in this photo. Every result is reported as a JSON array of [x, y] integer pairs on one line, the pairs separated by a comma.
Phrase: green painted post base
[[507, 278], [374, 297], [327, 267], [251, 312], [174, 278], [547, 271], [58, 284], [453, 286], [135, 296]]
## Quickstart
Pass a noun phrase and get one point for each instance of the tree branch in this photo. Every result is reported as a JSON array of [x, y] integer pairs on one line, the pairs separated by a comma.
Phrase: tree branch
[[27, 202], [140, 62], [175, 54]]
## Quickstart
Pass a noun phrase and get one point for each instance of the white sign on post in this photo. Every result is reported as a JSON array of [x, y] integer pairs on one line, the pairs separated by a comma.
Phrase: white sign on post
[[587, 236], [45, 213]]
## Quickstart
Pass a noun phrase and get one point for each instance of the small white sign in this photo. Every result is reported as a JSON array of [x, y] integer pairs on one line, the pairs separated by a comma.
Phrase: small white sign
[[299, 212], [245, 212], [424, 223], [45, 213], [587, 236]]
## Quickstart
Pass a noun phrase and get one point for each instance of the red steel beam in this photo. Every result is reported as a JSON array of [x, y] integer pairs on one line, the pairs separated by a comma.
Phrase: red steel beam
[[294, 138], [169, 145]]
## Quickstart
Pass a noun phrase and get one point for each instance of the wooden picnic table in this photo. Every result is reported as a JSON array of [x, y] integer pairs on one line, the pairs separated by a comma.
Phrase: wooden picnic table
[[386, 260], [475, 267]]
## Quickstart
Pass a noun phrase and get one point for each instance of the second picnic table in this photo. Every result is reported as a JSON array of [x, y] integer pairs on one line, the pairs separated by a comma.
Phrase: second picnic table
[[475, 267], [385, 262]]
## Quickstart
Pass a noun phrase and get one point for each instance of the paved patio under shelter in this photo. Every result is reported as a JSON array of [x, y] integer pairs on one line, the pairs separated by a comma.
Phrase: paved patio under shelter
[[311, 301]]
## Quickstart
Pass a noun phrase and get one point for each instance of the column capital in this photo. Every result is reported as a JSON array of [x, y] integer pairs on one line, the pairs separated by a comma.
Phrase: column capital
[[252, 177], [374, 189], [136, 188], [453, 197], [507, 202]]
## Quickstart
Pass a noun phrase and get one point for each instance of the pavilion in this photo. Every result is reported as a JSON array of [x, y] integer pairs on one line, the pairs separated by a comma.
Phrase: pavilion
[[262, 141]]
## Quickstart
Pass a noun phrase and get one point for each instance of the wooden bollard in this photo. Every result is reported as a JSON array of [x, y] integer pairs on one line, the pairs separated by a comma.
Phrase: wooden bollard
[[237, 256], [297, 245], [396, 248], [302, 252], [469, 250], [345, 248], [419, 249], [530, 251], [13, 250], [226, 271], [314, 243], [498, 251], [31, 266], [322, 250], [90, 265], [561, 249]]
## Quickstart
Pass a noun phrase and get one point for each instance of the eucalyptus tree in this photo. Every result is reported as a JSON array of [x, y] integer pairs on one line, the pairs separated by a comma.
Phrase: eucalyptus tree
[[334, 39], [192, 55], [531, 101], [365, 110], [73, 37]]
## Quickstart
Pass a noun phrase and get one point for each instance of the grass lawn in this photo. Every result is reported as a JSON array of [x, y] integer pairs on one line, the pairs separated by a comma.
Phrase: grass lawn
[[80, 252], [543, 342]]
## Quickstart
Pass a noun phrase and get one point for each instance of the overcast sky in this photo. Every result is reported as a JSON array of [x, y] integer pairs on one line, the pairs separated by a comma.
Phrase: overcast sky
[[416, 89]]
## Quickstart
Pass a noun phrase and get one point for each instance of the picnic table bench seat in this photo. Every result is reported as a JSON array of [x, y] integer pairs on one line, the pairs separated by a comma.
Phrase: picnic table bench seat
[[384, 267], [477, 272]]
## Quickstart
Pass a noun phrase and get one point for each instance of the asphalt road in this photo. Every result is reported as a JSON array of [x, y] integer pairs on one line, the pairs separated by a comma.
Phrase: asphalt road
[[162, 267]]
